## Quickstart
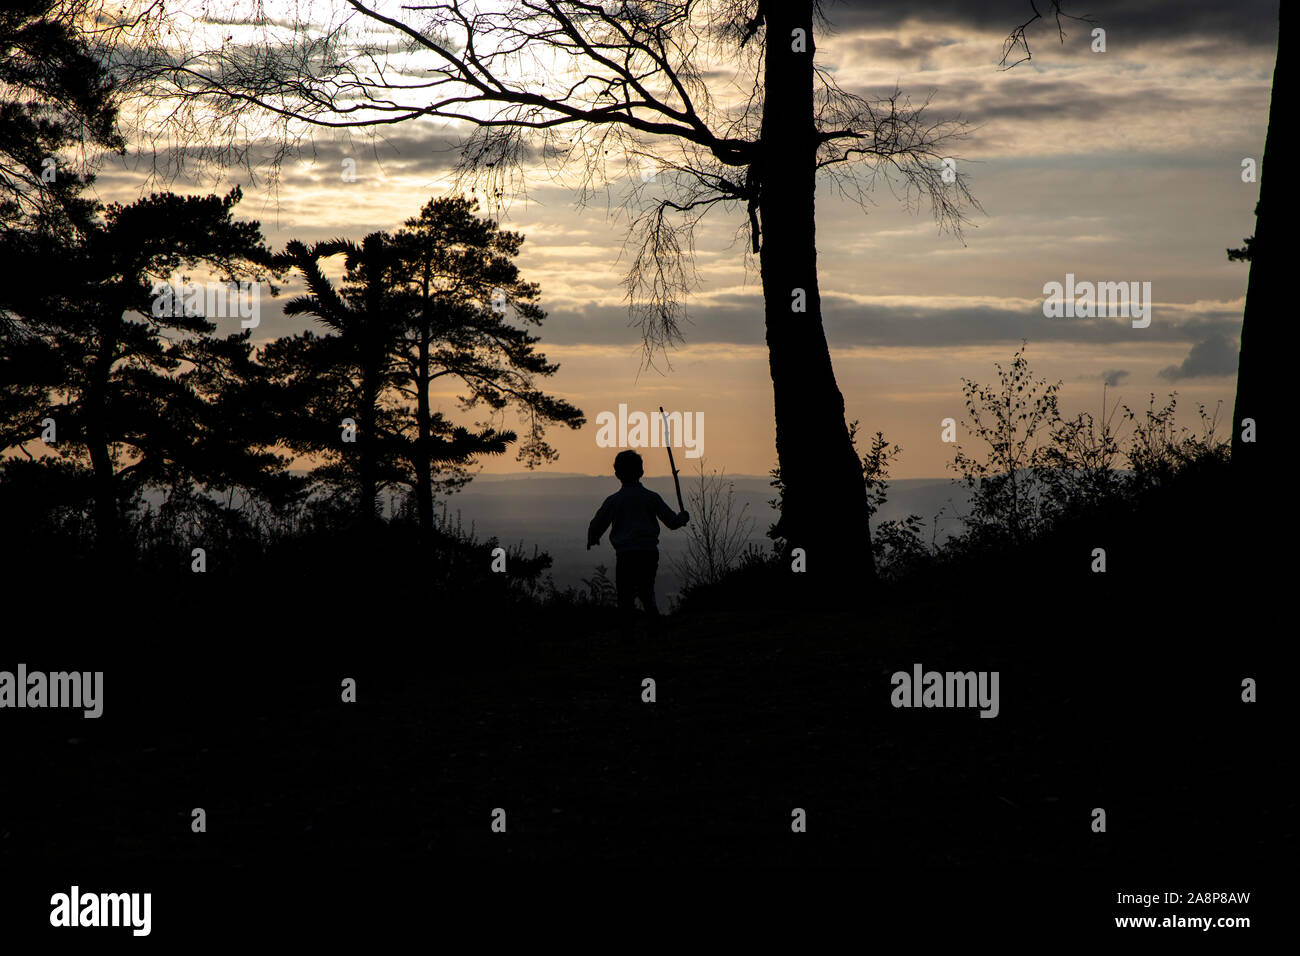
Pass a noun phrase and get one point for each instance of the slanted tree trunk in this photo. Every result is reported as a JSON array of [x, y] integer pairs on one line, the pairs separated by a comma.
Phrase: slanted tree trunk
[[1265, 309], [824, 509], [423, 467], [101, 463], [367, 446], [372, 365], [98, 444]]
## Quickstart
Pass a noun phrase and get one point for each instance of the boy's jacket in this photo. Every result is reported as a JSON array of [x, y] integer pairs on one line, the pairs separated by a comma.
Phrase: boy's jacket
[[635, 512]]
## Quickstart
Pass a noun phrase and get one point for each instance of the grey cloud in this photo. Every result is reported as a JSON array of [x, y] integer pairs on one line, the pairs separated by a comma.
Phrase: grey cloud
[[1024, 99], [1131, 21], [1114, 377], [408, 149], [892, 48], [981, 325], [1215, 355], [738, 320]]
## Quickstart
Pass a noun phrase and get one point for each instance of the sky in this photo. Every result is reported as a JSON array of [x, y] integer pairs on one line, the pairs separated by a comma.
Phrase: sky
[[1115, 166]]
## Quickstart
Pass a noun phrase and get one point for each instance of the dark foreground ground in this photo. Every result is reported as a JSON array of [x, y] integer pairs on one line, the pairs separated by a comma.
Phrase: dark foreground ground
[[1120, 691]]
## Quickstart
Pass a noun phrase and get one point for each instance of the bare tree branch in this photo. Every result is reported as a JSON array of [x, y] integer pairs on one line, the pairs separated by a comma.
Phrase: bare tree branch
[[655, 103], [1018, 39]]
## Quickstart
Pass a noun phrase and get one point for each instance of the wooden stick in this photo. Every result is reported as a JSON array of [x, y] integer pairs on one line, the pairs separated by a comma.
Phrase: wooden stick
[[668, 443]]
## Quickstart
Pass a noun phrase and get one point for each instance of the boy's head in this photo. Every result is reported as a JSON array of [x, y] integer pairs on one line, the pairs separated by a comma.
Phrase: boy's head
[[628, 466]]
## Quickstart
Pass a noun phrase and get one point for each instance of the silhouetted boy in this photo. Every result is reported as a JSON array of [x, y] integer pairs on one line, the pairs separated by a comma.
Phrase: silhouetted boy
[[635, 512]]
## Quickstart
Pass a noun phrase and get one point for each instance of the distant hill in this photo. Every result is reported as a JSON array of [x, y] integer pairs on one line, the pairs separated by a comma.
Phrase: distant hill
[[553, 511]]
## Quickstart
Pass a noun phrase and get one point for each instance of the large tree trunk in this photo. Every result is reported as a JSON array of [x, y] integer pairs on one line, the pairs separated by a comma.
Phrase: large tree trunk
[[824, 508], [1265, 304]]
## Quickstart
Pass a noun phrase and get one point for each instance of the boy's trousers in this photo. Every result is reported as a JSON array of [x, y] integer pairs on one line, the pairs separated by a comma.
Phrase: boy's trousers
[[634, 576]]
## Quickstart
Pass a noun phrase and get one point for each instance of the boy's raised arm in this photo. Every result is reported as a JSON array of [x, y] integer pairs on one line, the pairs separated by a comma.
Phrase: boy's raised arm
[[672, 520]]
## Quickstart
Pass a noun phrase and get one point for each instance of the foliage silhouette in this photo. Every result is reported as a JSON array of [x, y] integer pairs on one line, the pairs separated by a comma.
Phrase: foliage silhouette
[[138, 394], [58, 103], [414, 308]]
